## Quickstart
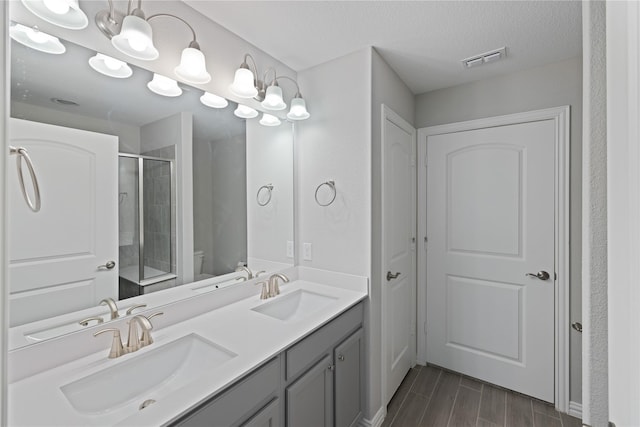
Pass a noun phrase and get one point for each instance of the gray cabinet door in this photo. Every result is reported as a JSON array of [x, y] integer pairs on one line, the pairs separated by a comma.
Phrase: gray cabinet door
[[349, 376], [310, 398], [269, 416]]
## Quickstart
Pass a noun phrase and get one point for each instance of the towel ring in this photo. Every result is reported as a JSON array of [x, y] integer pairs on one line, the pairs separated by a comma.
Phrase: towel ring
[[268, 188], [22, 154], [332, 185]]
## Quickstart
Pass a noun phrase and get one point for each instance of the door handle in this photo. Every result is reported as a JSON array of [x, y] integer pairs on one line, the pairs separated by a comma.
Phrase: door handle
[[542, 275], [390, 275], [108, 266]]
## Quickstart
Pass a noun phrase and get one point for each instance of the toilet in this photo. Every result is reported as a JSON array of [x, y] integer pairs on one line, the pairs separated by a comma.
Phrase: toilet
[[198, 259]]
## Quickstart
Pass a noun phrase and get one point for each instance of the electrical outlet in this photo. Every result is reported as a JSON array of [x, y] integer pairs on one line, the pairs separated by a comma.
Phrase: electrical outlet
[[306, 252], [290, 249]]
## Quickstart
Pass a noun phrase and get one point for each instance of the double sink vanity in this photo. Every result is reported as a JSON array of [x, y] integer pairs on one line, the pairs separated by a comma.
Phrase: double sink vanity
[[223, 358]]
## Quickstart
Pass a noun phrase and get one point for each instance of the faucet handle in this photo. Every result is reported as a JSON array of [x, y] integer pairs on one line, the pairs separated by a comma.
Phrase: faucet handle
[[135, 307], [265, 290], [85, 322], [116, 345]]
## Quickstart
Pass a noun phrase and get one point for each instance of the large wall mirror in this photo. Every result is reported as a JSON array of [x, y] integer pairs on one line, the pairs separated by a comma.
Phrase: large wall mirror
[[188, 191]]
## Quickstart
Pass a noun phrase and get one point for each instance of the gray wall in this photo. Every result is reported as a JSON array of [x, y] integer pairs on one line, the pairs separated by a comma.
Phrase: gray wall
[[543, 87]]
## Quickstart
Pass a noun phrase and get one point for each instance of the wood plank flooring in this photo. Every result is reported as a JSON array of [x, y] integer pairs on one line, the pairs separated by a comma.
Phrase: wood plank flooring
[[432, 397]]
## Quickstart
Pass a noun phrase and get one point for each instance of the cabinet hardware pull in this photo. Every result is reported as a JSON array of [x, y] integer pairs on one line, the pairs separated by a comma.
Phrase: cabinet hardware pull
[[331, 367], [341, 358]]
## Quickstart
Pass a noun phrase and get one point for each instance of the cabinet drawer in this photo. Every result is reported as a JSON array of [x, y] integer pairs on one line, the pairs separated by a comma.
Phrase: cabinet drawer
[[312, 348], [241, 401]]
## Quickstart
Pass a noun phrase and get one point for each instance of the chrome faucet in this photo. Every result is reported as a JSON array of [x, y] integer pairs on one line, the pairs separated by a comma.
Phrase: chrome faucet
[[246, 270], [113, 308], [274, 289], [134, 343]]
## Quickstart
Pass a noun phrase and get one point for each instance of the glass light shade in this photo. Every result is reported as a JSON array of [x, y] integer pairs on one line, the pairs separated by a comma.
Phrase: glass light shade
[[298, 110], [245, 112], [36, 39], [63, 13], [192, 68], [269, 120], [243, 85], [164, 86], [110, 66], [213, 101], [273, 99], [136, 39]]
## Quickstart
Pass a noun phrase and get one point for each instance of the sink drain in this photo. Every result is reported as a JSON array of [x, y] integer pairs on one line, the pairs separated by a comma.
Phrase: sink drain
[[146, 403]]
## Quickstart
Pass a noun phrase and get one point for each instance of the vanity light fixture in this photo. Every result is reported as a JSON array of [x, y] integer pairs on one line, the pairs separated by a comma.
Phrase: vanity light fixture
[[269, 120], [110, 66], [36, 39], [213, 101], [63, 13], [298, 109], [245, 82], [245, 112], [136, 37], [164, 86]]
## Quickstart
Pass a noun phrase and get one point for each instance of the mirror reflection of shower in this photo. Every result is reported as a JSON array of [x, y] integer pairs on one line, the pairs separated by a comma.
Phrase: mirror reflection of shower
[[146, 211]]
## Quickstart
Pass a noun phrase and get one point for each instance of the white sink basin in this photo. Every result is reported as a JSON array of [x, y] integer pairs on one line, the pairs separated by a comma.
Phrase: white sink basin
[[151, 375], [294, 306]]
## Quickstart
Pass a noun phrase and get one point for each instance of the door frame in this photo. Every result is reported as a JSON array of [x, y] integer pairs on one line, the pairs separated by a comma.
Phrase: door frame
[[561, 117], [390, 115]]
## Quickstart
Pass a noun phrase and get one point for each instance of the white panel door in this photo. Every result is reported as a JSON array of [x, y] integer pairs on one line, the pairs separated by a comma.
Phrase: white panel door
[[398, 250], [490, 221], [54, 254]]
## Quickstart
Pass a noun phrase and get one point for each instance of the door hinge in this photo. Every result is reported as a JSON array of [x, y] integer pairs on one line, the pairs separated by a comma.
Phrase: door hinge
[[426, 241], [425, 328], [413, 160]]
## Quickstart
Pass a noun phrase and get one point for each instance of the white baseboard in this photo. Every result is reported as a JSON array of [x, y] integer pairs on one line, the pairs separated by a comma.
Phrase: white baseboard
[[377, 419], [575, 409]]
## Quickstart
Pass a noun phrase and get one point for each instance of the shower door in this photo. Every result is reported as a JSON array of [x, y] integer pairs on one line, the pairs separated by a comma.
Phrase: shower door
[[145, 216]]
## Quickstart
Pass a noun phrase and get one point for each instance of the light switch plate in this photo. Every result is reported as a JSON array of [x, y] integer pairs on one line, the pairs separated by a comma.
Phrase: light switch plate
[[290, 249], [307, 252]]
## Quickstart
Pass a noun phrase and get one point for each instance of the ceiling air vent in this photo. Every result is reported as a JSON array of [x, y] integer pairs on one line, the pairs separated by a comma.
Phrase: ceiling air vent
[[484, 58]]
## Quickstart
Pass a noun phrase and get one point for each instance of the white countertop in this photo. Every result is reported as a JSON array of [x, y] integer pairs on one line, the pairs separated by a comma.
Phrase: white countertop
[[254, 337]]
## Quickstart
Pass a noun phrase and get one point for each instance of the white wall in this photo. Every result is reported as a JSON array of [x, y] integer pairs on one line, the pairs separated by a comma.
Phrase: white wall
[[269, 161], [388, 89], [4, 290], [177, 130], [623, 210], [335, 144], [594, 217], [128, 135], [542, 87]]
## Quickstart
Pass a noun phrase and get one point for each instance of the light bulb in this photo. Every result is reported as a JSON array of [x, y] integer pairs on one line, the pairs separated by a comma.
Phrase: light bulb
[[298, 110], [273, 99], [59, 7], [37, 36], [243, 85], [137, 41], [111, 63], [213, 101], [245, 112], [164, 86], [269, 120]]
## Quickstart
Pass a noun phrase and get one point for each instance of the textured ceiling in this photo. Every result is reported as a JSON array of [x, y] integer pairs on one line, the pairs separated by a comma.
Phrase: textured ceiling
[[423, 41]]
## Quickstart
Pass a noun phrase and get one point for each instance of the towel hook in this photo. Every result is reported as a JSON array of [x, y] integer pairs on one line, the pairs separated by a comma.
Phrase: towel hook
[[332, 185], [23, 154], [268, 188]]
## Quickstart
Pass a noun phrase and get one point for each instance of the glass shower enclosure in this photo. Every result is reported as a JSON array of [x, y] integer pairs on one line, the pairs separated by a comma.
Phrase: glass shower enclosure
[[146, 224]]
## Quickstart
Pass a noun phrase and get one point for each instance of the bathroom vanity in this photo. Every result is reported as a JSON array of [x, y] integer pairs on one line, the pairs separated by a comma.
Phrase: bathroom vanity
[[291, 360]]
